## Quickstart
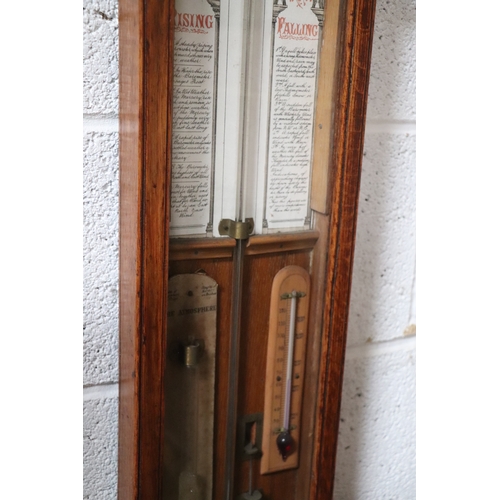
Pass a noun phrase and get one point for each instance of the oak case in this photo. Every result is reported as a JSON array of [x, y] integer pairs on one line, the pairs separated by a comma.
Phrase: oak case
[[148, 256]]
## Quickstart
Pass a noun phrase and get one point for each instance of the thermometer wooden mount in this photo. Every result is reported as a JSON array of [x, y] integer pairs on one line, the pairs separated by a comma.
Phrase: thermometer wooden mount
[[285, 369]]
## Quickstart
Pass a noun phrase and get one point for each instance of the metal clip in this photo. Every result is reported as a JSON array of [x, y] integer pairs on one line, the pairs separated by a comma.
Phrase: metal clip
[[193, 352], [237, 230]]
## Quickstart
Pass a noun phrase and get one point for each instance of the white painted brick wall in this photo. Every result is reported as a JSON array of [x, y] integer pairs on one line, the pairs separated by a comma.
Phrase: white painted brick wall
[[100, 56], [393, 74], [100, 265], [384, 265], [376, 451], [100, 452], [100, 240], [376, 454]]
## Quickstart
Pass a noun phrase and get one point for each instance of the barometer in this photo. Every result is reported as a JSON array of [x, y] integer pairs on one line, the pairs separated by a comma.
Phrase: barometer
[[241, 127]]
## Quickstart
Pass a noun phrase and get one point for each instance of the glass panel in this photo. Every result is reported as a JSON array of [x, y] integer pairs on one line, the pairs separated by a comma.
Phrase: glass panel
[[245, 85], [245, 78], [195, 70]]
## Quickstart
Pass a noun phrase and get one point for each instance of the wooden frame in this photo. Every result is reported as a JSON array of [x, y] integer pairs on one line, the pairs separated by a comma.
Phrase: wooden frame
[[146, 59]]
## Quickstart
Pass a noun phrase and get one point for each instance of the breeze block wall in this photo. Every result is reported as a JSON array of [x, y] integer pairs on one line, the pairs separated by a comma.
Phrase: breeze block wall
[[376, 450], [376, 454], [100, 249]]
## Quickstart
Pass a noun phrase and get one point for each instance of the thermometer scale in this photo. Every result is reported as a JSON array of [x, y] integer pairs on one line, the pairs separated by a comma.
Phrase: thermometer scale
[[285, 369]]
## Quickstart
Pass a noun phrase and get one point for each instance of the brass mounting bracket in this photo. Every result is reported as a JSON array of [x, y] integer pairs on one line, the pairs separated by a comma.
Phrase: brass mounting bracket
[[236, 229]]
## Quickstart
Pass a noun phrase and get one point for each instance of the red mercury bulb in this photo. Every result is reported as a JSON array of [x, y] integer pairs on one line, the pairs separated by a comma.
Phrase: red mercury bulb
[[285, 444]]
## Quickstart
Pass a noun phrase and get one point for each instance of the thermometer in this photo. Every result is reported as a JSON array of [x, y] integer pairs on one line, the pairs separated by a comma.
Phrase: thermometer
[[285, 369]]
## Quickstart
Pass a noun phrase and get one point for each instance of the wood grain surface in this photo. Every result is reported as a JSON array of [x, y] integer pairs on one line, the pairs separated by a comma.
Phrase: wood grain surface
[[351, 94], [131, 148], [146, 59], [281, 242], [259, 273]]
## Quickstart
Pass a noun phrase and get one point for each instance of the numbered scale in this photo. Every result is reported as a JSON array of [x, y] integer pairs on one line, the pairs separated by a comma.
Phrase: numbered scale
[[285, 369]]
